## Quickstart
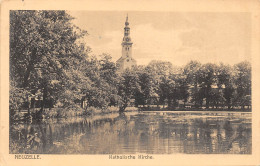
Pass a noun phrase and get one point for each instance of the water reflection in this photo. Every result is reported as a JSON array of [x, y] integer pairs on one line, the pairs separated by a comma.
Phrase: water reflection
[[155, 132]]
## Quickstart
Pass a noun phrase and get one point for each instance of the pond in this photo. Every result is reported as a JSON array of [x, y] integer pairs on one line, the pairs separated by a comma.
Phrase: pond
[[137, 132]]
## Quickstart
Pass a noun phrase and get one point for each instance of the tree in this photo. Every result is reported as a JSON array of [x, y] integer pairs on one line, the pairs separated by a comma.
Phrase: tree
[[183, 88], [207, 79], [43, 48], [191, 71], [160, 72], [147, 94], [173, 91], [104, 80], [242, 80], [225, 82], [18, 97], [127, 88]]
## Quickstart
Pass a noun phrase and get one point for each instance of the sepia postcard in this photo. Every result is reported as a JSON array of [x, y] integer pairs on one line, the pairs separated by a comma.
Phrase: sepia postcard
[[130, 82]]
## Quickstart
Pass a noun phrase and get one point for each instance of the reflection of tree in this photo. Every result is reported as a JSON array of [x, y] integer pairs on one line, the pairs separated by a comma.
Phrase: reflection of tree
[[237, 136], [26, 138], [202, 135], [145, 133]]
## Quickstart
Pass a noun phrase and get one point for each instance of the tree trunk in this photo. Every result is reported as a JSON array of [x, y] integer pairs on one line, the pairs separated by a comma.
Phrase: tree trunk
[[122, 108], [29, 69], [207, 103], [82, 102], [44, 97], [169, 103]]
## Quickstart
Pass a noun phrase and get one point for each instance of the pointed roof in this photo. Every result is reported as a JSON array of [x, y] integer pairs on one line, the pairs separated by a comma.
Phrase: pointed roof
[[126, 21]]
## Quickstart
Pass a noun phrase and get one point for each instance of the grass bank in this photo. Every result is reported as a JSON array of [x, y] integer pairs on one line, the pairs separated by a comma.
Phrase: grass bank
[[16, 115], [194, 109]]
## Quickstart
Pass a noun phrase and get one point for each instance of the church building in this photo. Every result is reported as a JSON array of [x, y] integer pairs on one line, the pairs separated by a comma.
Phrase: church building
[[126, 60]]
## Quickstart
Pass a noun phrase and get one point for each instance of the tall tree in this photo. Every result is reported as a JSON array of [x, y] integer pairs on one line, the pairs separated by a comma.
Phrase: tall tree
[[160, 71], [127, 88], [191, 71], [146, 95], [43, 47], [102, 73], [243, 83], [207, 79], [225, 83], [183, 88]]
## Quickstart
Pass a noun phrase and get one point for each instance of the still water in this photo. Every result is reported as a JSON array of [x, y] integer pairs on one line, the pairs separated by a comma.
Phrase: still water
[[137, 132]]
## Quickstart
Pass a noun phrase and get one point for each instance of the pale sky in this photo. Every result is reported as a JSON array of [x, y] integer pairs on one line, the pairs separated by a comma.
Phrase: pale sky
[[169, 36]]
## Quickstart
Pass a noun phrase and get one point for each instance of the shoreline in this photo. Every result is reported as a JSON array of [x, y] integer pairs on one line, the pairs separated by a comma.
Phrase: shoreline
[[152, 109], [201, 111], [24, 116], [195, 110]]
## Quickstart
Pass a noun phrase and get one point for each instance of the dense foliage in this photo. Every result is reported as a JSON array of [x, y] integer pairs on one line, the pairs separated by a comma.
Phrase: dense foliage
[[50, 63]]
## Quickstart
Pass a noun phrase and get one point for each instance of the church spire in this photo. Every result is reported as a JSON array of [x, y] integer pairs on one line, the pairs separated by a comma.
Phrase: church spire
[[126, 60], [127, 31], [126, 21]]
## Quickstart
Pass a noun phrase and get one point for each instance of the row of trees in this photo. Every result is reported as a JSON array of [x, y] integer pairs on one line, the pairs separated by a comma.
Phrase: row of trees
[[195, 85], [50, 61]]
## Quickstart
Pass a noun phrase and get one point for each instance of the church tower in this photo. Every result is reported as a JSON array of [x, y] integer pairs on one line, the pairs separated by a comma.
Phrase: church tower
[[126, 60]]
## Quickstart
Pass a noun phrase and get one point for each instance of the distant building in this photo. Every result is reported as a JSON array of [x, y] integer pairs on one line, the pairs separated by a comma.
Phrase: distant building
[[126, 60]]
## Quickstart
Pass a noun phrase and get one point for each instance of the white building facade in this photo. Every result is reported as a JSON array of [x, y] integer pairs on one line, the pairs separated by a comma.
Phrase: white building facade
[[126, 60]]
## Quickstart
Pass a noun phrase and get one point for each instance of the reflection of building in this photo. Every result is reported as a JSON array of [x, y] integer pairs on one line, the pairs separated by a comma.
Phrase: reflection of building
[[126, 60]]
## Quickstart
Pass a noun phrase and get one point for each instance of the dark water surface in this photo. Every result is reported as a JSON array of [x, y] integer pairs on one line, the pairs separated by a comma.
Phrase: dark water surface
[[133, 132]]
